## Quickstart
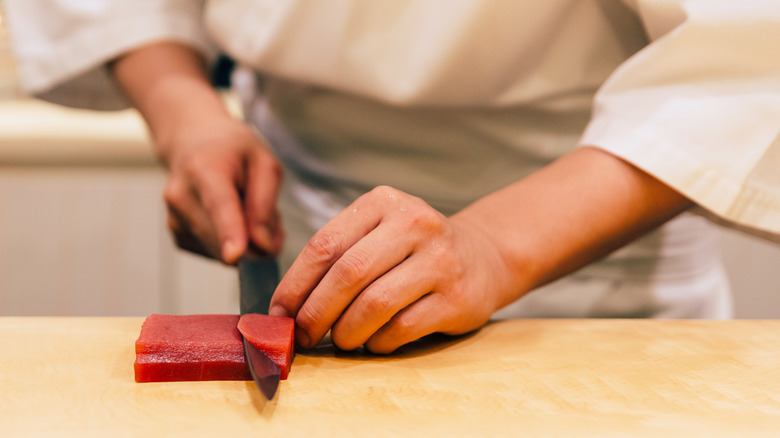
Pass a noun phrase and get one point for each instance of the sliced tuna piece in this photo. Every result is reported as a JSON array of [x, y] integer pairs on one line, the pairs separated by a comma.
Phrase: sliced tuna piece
[[273, 335], [209, 347]]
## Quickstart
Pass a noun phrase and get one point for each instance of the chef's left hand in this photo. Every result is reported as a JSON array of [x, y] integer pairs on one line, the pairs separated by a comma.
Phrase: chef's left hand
[[388, 270]]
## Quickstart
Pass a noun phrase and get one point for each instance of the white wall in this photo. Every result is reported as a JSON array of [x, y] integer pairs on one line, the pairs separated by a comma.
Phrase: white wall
[[82, 222], [92, 242]]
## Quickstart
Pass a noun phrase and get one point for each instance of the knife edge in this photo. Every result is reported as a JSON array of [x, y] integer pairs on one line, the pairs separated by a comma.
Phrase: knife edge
[[258, 279], [265, 373]]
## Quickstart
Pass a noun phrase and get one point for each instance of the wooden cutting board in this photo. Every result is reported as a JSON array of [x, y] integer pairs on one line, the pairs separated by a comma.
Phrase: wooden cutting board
[[551, 378]]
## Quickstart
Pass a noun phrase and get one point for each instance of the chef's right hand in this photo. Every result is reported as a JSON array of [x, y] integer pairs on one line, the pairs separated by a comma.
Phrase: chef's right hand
[[222, 190]]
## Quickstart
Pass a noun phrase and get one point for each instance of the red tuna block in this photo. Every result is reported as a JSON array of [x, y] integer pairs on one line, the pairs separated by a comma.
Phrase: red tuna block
[[273, 335], [190, 347], [207, 347]]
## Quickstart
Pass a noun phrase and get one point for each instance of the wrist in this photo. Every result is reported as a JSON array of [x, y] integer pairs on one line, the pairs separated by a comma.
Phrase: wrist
[[168, 84], [571, 213], [181, 126], [512, 270]]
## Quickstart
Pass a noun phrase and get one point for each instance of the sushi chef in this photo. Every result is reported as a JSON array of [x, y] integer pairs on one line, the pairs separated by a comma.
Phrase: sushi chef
[[422, 165]]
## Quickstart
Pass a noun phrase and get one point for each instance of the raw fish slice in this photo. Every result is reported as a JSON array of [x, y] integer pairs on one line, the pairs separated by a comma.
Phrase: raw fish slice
[[190, 347], [273, 335], [208, 347]]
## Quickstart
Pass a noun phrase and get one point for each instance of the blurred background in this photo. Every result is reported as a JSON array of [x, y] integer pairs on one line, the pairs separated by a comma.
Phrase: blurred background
[[82, 222]]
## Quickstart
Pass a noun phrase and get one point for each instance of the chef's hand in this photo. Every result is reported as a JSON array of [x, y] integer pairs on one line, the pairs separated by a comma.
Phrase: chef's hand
[[222, 190], [388, 270], [223, 183]]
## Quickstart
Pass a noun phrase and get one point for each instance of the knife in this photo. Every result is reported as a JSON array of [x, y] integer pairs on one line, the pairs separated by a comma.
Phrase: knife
[[258, 278]]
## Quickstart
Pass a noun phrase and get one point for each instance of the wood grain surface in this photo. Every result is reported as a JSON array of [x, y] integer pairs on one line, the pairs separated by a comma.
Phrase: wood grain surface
[[530, 378]]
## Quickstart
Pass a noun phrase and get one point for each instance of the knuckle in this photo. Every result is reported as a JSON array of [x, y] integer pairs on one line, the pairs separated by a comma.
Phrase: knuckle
[[385, 192], [195, 164], [352, 268], [213, 203], [445, 260], [376, 302], [441, 252], [308, 317], [427, 219], [322, 249], [173, 194], [418, 212], [193, 170], [403, 325], [455, 298]]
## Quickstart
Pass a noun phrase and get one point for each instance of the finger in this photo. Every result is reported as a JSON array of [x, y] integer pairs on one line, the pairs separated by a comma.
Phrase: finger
[[189, 223], [362, 264], [278, 235], [318, 255], [264, 175], [382, 299], [220, 199], [184, 238], [428, 315]]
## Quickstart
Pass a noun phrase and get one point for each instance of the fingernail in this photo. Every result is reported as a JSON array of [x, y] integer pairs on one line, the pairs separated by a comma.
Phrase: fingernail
[[302, 338], [231, 251], [277, 310], [263, 237]]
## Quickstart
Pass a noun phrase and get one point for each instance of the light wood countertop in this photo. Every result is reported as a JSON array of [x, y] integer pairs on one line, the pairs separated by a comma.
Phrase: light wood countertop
[[551, 378]]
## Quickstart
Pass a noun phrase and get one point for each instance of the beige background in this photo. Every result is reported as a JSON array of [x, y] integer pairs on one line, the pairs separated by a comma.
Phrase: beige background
[[82, 226], [82, 222]]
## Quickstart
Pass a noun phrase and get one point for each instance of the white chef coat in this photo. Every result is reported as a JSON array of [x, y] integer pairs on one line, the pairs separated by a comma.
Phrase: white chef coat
[[452, 99]]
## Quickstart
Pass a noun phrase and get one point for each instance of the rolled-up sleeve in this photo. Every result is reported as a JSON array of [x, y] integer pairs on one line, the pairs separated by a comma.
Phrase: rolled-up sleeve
[[699, 107], [62, 47]]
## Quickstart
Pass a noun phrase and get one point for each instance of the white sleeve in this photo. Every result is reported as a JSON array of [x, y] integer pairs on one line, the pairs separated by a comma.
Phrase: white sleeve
[[62, 46], [699, 107]]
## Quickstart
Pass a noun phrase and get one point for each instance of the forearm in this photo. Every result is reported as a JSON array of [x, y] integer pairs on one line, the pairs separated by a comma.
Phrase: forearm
[[167, 82], [572, 212]]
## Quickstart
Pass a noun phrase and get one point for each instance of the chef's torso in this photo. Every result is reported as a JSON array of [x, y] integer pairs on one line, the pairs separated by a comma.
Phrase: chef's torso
[[449, 101], [452, 99]]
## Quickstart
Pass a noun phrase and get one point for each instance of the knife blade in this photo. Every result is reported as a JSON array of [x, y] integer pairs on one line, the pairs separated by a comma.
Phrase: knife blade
[[257, 280], [265, 372]]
